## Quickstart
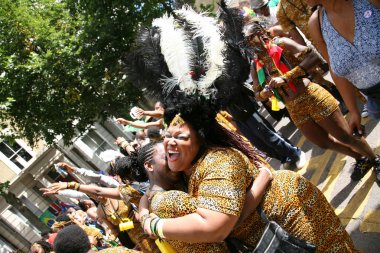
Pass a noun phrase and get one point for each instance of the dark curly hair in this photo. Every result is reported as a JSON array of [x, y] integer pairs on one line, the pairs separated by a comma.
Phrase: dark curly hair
[[154, 133], [128, 168], [62, 217], [45, 246], [72, 239], [200, 113], [195, 109]]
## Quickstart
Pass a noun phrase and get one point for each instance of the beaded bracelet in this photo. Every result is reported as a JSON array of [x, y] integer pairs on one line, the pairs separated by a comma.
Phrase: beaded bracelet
[[143, 218], [73, 186]]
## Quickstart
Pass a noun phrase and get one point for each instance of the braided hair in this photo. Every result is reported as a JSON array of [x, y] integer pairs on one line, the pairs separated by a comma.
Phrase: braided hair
[[127, 168], [145, 154]]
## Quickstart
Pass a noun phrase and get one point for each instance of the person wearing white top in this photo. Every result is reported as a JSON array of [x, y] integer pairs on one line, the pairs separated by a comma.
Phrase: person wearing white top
[[262, 9], [90, 175]]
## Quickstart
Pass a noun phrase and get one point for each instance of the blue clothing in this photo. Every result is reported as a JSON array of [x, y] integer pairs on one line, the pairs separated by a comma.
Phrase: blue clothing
[[358, 62], [373, 98], [243, 108], [262, 135], [273, 3]]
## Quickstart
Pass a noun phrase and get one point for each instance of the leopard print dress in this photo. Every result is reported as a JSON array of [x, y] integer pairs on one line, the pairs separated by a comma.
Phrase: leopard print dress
[[172, 204], [219, 181]]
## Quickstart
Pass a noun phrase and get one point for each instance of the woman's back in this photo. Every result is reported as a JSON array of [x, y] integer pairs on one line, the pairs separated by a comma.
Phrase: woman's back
[[302, 210], [358, 61]]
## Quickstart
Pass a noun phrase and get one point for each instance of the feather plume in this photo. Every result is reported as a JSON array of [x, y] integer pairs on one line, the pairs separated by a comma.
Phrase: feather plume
[[233, 24], [237, 53], [177, 51], [144, 63], [205, 28]]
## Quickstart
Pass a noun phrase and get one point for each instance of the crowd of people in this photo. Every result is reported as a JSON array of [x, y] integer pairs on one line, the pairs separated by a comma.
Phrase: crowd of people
[[197, 179]]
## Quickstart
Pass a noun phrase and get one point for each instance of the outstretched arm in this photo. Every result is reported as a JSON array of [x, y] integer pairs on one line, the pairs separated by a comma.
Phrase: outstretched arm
[[88, 189], [125, 122], [90, 175], [155, 113]]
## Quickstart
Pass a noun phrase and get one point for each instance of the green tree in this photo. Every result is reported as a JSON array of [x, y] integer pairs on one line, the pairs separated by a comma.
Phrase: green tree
[[61, 62]]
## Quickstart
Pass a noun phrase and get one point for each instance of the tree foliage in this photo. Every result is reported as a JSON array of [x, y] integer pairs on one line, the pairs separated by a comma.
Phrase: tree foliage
[[61, 62]]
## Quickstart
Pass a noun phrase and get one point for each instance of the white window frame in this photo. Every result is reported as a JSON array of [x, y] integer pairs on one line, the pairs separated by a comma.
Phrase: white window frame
[[24, 163], [95, 151]]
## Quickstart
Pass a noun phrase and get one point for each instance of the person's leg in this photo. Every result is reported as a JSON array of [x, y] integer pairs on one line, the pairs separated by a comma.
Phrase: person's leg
[[337, 126], [274, 144], [320, 137]]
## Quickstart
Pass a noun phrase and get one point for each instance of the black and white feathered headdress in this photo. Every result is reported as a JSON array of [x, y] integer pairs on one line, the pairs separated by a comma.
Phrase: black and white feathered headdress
[[191, 52]]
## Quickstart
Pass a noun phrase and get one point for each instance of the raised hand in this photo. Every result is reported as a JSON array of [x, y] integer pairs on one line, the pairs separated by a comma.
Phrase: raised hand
[[54, 188]]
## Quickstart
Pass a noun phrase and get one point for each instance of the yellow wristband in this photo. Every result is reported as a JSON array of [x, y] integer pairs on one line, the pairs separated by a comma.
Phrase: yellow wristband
[[124, 144]]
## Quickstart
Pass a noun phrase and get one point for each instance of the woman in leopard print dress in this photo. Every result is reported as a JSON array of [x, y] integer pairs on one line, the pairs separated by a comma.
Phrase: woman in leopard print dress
[[217, 178]]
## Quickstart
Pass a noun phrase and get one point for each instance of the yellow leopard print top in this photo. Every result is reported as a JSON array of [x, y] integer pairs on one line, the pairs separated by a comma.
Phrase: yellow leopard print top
[[215, 176], [220, 179]]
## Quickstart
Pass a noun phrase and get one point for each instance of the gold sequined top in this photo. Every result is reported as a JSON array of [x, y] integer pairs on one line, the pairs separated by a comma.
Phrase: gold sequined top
[[130, 194], [116, 214], [294, 13], [90, 231]]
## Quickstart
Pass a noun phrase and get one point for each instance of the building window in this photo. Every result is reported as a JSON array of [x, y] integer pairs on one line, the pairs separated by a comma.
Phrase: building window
[[96, 143], [31, 206], [5, 245], [15, 153]]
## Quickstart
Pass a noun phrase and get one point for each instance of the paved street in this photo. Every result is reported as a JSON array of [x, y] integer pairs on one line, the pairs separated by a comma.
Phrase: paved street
[[356, 203]]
